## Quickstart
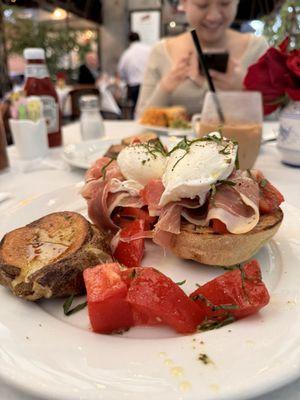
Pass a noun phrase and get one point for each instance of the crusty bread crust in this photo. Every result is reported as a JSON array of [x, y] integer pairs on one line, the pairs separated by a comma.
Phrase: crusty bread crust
[[202, 244], [47, 257]]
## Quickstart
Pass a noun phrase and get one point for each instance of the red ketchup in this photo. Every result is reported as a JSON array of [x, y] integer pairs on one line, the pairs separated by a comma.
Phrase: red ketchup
[[38, 83]]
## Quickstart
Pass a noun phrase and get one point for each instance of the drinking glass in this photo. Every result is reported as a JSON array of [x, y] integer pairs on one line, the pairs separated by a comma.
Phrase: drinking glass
[[243, 114]]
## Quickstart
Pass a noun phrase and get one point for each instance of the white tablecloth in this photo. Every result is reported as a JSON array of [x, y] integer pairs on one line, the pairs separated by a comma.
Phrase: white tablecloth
[[30, 184]]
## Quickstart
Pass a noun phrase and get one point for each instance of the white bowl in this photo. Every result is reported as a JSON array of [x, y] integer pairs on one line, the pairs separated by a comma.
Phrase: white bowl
[[288, 156]]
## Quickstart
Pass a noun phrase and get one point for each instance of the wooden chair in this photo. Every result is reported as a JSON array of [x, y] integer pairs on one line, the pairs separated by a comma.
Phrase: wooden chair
[[3, 151], [76, 93]]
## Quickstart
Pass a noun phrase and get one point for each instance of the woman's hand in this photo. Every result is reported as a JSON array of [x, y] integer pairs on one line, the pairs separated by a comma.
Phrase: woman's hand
[[232, 79], [178, 74]]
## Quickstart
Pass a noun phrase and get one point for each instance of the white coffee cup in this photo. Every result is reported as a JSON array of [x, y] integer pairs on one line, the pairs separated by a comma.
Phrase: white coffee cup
[[30, 137]]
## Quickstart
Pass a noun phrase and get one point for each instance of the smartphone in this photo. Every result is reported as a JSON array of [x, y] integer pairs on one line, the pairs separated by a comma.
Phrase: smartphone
[[216, 61]]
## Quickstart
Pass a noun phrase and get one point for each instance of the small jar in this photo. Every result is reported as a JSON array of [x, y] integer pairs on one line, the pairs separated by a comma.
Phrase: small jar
[[91, 122], [288, 141]]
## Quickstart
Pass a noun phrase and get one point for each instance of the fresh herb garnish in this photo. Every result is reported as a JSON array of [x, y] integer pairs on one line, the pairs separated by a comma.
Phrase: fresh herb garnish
[[204, 358], [209, 325], [185, 145], [237, 162], [103, 169], [225, 150], [133, 274], [250, 174], [226, 182], [181, 283], [263, 183], [154, 148], [68, 303], [215, 307]]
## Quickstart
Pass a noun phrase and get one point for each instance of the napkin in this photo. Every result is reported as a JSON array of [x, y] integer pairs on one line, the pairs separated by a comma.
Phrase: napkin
[[51, 161]]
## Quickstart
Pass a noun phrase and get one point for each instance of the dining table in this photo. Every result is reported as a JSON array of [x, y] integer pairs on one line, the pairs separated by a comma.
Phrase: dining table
[[25, 180]]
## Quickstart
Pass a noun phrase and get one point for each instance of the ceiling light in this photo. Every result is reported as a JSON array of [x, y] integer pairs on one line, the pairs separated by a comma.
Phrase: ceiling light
[[58, 14]]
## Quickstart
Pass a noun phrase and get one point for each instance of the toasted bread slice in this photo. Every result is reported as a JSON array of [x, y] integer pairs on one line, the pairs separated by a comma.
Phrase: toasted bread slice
[[114, 150], [47, 257], [143, 137], [202, 244]]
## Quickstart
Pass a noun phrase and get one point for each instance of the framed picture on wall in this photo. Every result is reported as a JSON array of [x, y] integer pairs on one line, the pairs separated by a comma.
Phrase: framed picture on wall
[[147, 23]]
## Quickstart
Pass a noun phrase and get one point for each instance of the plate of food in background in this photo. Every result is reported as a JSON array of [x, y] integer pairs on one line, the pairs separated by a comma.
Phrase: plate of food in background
[[169, 120]]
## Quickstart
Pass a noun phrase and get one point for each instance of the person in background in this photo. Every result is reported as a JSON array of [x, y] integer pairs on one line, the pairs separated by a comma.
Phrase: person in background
[[132, 65], [89, 72], [172, 76]]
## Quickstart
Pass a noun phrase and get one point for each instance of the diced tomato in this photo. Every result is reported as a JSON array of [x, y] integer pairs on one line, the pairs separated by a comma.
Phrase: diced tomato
[[106, 296], [139, 317], [126, 215], [218, 226], [235, 294], [158, 297], [269, 197], [131, 253]]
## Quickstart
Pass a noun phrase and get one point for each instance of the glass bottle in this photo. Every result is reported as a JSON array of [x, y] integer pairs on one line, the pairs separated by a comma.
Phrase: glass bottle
[[3, 151], [91, 122], [38, 83]]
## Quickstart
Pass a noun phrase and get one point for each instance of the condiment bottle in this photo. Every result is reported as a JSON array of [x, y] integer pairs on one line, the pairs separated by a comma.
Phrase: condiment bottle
[[3, 152], [91, 122], [38, 83]]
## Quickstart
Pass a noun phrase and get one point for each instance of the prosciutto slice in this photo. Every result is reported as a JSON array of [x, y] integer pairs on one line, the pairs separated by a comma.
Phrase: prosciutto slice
[[151, 195], [105, 193], [236, 206], [103, 165]]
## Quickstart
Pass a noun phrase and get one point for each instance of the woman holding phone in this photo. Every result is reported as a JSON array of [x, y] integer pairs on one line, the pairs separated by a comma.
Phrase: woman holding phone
[[173, 76]]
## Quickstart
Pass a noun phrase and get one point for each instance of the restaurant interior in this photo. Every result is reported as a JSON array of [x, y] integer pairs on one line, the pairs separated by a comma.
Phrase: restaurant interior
[[143, 142]]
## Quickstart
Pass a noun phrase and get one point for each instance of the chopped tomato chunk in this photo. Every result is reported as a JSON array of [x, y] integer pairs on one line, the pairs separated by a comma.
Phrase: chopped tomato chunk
[[123, 217], [235, 294], [130, 253], [269, 197], [158, 297], [218, 226], [106, 296]]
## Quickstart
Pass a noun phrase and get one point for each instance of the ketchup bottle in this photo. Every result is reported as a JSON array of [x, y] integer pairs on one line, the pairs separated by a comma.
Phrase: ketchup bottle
[[38, 83]]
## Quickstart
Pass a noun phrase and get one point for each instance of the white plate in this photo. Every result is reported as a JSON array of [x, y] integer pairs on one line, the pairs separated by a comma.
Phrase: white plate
[[42, 352], [84, 154], [169, 131]]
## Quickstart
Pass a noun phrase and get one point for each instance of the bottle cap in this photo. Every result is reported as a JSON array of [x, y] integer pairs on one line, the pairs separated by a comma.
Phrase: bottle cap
[[34, 53], [89, 102]]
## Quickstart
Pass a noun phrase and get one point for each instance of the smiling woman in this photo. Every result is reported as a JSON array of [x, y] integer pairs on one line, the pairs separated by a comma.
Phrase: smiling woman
[[173, 76]]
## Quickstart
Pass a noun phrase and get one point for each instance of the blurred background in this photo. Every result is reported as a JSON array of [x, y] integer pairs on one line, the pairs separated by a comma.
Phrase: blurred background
[[69, 29]]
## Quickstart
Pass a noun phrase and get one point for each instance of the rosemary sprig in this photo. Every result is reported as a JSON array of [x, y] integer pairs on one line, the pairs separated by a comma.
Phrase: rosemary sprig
[[181, 283], [68, 303]]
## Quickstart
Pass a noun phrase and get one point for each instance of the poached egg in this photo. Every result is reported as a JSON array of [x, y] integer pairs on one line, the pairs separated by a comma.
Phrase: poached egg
[[142, 162], [194, 166]]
